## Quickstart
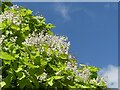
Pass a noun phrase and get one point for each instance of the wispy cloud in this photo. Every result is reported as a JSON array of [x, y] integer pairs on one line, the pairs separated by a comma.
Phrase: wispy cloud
[[66, 11], [111, 74], [63, 10]]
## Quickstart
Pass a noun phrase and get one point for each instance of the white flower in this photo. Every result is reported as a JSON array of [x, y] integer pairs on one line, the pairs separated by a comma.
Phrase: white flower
[[13, 39], [39, 17], [15, 18], [1, 39], [54, 43], [93, 81], [58, 72], [15, 7], [69, 56], [0, 18], [69, 77], [43, 76]]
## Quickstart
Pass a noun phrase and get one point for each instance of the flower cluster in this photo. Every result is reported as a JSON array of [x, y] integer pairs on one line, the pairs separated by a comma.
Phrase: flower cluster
[[83, 74], [9, 15], [73, 67], [38, 18], [99, 80], [50, 43]]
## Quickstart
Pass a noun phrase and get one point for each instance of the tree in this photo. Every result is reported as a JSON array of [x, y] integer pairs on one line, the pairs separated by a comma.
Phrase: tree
[[34, 57]]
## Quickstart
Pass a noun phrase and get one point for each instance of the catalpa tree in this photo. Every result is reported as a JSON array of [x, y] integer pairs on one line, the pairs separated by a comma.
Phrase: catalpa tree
[[34, 57]]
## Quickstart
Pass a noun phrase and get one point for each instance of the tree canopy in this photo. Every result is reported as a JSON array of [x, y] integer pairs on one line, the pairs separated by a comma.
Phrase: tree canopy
[[34, 57]]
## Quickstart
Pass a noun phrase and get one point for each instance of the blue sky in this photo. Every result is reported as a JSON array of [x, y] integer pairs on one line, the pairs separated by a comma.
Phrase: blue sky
[[92, 29]]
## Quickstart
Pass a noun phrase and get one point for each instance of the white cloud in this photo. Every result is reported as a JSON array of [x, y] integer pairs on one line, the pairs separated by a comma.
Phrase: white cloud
[[111, 74], [63, 10], [66, 10]]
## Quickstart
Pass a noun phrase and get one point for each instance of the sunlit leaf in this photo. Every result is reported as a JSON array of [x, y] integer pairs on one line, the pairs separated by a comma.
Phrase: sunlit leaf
[[2, 84], [64, 56], [58, 77], [6, 56]]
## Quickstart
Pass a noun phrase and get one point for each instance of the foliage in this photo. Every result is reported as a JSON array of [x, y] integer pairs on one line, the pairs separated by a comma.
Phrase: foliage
[[33, 57]]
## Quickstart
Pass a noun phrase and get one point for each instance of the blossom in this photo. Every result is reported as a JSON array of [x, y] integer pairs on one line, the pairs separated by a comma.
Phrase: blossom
[[15, 7], [13, 39], [70, 77], [14, 17], [1, 39], [85, 74], [53, 43], [99, 80]]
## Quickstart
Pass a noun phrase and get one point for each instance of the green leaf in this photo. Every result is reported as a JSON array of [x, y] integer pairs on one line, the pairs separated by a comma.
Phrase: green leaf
[[2, 84], [50, 82], [82, 65], [19, 69], [20, 75], [8, 21], [50, 32], [22, 83], [49, 26], [43, 62], [34, 80], [37, 60], [72, 86], [26, 28], [7, 62], [54, 67], [64, 56], [28, 12], [20, 39], [15, 27], [6, 56], [31, 65], [2, 26], [8, 79], [58, 77], [93, 69]]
